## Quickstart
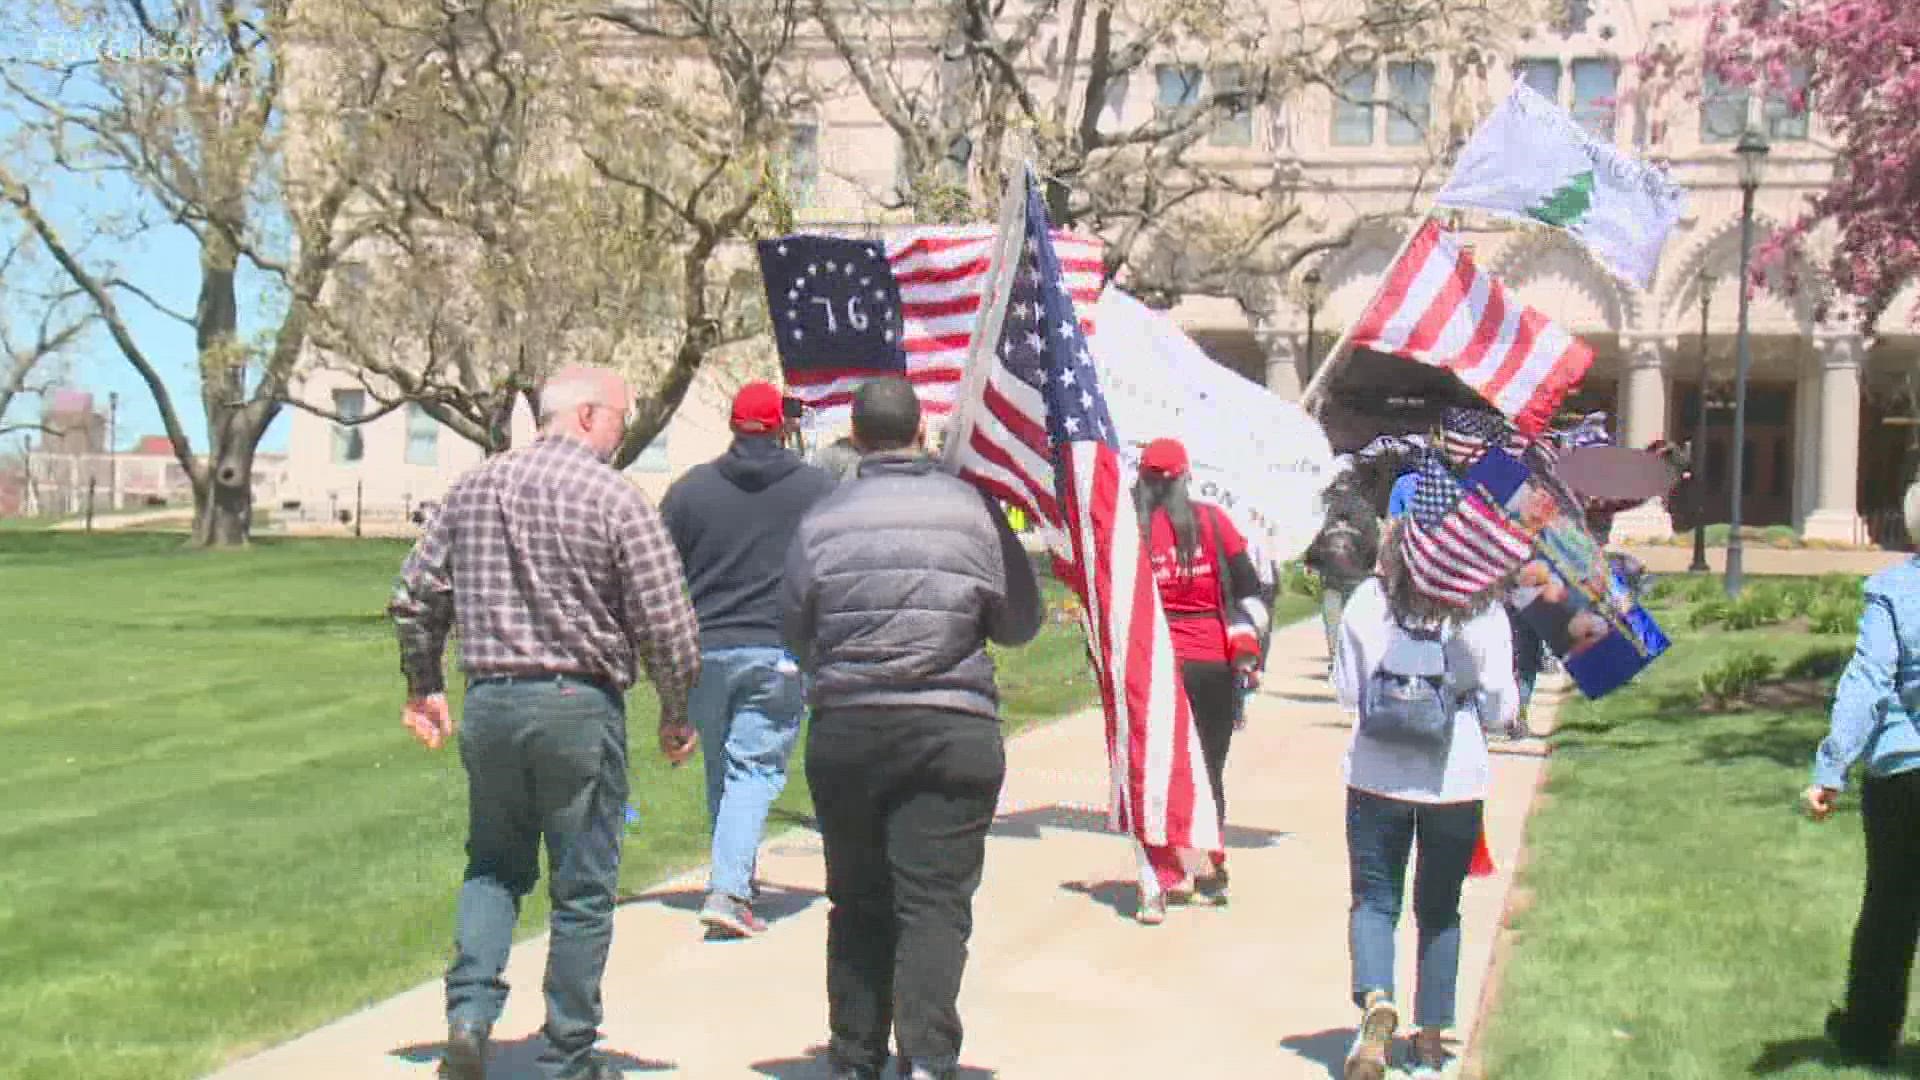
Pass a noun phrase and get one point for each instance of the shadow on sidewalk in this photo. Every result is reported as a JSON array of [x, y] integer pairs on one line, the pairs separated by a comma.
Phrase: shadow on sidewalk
[[815, 1065], [776, 902], [515, 1060], [1026, 825], [1327, 1049], [1122, 896]]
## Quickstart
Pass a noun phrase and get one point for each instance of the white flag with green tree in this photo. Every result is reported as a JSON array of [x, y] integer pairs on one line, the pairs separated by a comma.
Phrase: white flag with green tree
[[1529, 161]]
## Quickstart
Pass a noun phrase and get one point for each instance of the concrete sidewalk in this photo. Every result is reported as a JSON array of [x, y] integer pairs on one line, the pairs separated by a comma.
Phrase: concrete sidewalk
[[1061, 982]]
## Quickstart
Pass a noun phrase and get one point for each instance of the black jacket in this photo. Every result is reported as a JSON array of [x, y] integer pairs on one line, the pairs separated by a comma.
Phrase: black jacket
[[732, 520]]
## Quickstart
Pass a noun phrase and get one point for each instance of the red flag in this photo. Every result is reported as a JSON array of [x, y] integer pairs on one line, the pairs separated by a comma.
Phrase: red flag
[[1482, 865], [1441, 310]]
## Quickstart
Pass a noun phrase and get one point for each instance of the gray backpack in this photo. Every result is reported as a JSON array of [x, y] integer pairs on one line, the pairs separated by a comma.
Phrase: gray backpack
[[1408, 700]]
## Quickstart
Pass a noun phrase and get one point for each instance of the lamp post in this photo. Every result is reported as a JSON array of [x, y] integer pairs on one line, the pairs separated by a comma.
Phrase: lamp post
[[1700, 439], [113, 456], [1316, 295], [1752, 152]]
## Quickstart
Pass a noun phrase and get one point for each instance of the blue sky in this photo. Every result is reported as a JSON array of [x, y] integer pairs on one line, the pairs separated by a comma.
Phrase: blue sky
[[163, 261]]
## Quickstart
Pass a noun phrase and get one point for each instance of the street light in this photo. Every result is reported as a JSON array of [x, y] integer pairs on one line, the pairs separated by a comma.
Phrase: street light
[[1316, 295], [1699, 455], [1752, 152]]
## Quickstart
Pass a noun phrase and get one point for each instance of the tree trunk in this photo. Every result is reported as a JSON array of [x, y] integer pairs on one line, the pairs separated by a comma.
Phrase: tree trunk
[[223, 487]]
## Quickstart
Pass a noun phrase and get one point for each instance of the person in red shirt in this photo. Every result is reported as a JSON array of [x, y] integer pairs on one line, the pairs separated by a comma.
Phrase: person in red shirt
[[1211, 594]]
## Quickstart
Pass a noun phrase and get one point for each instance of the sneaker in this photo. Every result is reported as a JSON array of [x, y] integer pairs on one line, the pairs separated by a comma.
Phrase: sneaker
[[1212, 889], [1152, 910], [466, 1054], [1368, 1058], [1181, 893], [729, 916], [1846, 1039]]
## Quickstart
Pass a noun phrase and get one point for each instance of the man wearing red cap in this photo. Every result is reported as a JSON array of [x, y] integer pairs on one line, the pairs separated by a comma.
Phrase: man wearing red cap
[[732, 520]]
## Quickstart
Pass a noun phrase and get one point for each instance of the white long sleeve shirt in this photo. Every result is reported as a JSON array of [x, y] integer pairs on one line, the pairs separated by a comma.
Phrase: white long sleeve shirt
[[1479, 662]]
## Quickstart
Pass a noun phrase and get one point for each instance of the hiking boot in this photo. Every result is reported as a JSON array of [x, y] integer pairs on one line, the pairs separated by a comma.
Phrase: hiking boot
[[1429, 1055], [1367, 1060], [466, 1054], [729, 916], [1856, 1048]]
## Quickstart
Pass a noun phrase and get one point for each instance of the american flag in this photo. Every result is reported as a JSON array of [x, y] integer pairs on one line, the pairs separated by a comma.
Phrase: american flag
[[1037, 434], [1437, 308], [846, 310], [1456, 546], [1465, 434]]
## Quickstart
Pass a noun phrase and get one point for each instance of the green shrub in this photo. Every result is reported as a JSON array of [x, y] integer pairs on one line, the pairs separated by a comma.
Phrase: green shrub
[[1752, 609], [1835, 616], [1824, 662], [1704, 588], [1297, 580], [1838, 586], [1795, 598], [1735, 676], [1780, 536], [1708, 613]]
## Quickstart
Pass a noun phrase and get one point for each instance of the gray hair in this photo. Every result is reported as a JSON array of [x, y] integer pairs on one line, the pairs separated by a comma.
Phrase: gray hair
[[567, 390], [1911, 506]]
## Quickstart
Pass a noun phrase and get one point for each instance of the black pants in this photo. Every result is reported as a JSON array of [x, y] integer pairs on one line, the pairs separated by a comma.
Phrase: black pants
[[1216, 705], [904, 798], [1889, 927]]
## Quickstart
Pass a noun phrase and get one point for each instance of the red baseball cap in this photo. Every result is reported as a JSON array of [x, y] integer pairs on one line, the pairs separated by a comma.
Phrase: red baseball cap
[[1165, 456], [757, 409]]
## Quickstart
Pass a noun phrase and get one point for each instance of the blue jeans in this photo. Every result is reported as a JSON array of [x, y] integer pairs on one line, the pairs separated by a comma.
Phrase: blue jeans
[[546, 759], [747, 707], [1380, 833], [1333, 606], [1529, 655]]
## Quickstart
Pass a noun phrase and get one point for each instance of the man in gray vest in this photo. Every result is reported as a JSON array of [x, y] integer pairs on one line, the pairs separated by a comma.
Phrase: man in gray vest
[[893, 587]]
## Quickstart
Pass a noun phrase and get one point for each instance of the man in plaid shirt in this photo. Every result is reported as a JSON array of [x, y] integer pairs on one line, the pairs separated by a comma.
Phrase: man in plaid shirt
[[559, 576]]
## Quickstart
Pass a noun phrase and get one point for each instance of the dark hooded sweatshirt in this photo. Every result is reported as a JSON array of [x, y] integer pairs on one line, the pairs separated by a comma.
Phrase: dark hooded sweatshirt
[[732, 520]]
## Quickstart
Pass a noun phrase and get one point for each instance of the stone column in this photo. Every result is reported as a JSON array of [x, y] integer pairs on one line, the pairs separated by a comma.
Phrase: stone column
[[1286, 352], [1644, 394], [1839, 352], [1806, 440]]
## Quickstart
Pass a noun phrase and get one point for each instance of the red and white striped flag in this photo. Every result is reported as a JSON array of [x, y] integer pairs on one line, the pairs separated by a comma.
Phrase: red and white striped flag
[[1436, 307], [845, 310], [1034, 430]]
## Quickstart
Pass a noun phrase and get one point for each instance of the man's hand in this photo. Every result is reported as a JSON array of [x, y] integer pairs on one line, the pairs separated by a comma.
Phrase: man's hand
[[678, 742], [1819, 802], [429, 719]]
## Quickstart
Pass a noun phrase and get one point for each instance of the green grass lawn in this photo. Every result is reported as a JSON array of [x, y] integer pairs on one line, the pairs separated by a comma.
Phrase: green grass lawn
[[214, 832], [1686, 922]]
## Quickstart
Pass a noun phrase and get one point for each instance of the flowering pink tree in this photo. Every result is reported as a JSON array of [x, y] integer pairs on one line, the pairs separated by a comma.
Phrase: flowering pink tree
[[1860, 60]]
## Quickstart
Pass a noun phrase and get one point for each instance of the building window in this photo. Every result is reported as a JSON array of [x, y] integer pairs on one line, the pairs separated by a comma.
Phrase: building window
[[423, 437], [654, 458], [1783, 120], [1177, 87], [1723, 110], [802, 163], [1353, 106], [1595, 84], [1410, 95], [1542, 76], [1237, 128], [348, 444]]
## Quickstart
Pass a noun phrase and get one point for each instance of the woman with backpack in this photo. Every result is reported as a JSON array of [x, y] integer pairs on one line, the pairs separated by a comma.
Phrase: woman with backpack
[[1211, 594], [1426, 679]]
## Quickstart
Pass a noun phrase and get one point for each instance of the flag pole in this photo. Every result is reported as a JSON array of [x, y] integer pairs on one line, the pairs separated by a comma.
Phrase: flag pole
[[1317, 386], [997, 293]]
